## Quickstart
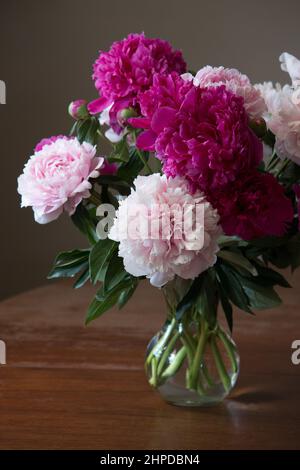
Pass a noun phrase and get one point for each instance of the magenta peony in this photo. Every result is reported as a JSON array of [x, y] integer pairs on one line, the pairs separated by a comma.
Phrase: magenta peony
[[128, 68], [234, 81], [202, 134], [254, 206], [56, 177], [161, 258]]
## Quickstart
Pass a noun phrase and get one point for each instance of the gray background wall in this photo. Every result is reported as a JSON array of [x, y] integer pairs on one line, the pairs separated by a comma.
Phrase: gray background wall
[[46, 52]]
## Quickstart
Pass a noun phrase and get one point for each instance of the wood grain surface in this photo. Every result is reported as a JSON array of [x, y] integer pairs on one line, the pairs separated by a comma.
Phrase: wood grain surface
[[67, 386]]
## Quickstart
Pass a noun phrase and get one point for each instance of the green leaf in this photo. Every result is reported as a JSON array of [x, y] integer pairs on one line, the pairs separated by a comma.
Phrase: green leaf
[[115, 182], [226, 241], [230, 282], [127, 294], [207, 302], [227, 307], [82, 279], [99, 257], [123, 285], [82, 129], [120, 152], [85, 223], [260, 297], [237, 258], [269, 138], [115, 272], [98, 307], [91, 135], [105, 300], [130, 170], [291, 174], [69, 263], [190, 297], [271, 277]]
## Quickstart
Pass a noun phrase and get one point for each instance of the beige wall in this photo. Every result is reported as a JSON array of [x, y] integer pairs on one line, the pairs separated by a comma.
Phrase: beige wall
[[47, 49]]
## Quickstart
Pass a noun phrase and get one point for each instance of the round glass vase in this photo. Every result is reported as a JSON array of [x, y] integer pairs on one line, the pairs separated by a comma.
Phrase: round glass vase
[[190, 363]]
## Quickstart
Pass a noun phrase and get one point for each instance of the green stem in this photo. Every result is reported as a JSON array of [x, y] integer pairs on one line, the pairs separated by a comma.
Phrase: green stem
[[207, 376], [195, 368], [153, 379], [166, 353], [161, 342], [175, 364], [220, 364], [230, 349]]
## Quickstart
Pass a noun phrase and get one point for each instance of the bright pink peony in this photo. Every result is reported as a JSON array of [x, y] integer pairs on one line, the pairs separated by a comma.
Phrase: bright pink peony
[[234, 81], [254, 206], [56, 177], [202, 134], [128, 68], [161, 258]]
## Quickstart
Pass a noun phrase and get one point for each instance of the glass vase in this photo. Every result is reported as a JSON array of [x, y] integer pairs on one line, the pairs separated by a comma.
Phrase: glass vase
[[190, 362]]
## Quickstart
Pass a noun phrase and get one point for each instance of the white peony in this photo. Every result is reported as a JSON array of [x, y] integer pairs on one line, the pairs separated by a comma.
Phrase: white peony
[[169, 254]]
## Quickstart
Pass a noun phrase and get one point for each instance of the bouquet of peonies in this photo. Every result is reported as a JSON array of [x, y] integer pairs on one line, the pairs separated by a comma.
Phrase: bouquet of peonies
[[199, 195]]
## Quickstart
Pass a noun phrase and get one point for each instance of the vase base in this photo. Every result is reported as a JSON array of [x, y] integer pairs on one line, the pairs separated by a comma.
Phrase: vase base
[[190, 398]]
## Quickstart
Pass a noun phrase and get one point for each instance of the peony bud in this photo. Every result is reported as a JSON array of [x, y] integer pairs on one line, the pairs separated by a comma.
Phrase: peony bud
[[126, 114], [78, 109], [258, 126]]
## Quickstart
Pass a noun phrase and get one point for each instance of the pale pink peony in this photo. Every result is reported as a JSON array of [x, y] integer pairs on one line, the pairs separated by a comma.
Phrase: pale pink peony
[[283, 110], [56, 177], [235, 82], [291, 65], [167, 255]]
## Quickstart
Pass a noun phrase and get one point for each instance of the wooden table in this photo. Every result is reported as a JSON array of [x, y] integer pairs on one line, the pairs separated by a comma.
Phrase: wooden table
[[66, 386]]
